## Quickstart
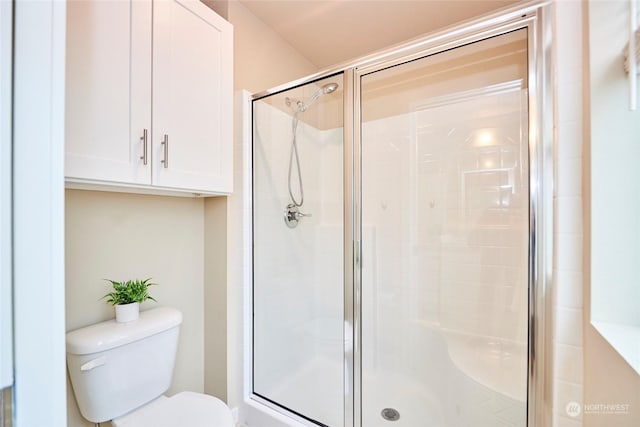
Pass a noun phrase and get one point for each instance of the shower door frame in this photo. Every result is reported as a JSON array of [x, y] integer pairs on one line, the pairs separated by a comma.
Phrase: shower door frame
[[535, 17], [539, 258]]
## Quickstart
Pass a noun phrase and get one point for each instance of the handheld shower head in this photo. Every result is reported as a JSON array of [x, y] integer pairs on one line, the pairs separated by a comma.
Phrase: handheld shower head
[[329, 87], [292, 213], [325, 89]]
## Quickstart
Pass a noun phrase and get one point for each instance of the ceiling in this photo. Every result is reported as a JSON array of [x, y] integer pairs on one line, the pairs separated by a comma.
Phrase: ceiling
[[328, 32]]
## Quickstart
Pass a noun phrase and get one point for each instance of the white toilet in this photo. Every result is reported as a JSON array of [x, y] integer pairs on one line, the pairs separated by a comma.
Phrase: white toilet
[[119, 372]]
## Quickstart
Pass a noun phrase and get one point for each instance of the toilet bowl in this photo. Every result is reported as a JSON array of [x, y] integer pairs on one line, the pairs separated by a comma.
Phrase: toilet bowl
[[120, 371], [183, 409]]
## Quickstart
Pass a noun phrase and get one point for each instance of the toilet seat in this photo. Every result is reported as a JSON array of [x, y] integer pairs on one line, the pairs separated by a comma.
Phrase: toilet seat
[[181, 410]]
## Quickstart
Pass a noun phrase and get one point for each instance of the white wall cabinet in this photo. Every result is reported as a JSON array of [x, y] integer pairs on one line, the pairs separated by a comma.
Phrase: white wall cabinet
[[149, 97], [108, 91]]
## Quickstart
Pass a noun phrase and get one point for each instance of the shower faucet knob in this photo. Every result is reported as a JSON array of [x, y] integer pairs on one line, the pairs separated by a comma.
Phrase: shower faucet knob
[[292, 215]]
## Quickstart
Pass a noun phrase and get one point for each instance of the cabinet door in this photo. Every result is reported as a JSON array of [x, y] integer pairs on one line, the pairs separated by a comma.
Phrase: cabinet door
[[192, 97], [108, 90]]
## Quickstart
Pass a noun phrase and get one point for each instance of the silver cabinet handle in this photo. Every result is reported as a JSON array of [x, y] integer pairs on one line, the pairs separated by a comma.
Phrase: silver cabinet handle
[[165, 143], [144, 140]]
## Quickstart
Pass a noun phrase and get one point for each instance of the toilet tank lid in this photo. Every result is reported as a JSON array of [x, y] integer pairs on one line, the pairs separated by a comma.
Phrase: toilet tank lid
[[111, 334]]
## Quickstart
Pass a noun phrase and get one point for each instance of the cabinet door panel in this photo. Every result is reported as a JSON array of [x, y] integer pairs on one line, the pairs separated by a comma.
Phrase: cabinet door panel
[[108, 102], [192, 97]]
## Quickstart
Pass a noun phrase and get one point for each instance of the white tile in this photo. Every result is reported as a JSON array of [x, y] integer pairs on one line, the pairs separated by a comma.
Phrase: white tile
[[568, 326], [570, 140], [569, 215], [570, 74], [568, 276], [569, 363], [568, 288], [568, 41], [569, 251], [569, 102], [569, 177], [568, 28], [569, 55]]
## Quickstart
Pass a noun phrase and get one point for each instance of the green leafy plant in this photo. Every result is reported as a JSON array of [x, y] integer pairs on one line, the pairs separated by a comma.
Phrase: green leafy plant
[[129, 291]]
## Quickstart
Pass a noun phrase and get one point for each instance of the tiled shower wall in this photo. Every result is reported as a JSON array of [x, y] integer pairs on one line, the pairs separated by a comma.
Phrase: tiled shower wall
[[459, 204], [568, 282]]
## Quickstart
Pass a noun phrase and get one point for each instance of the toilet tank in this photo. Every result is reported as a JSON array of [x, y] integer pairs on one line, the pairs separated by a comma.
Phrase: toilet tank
[[117, 367]]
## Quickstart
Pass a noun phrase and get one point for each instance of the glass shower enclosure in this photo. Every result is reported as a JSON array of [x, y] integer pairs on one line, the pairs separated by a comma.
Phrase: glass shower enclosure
[[396, 252]]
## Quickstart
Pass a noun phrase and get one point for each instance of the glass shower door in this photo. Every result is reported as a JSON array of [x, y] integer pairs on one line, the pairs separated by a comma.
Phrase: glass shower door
[[444, 232], [298, 251]]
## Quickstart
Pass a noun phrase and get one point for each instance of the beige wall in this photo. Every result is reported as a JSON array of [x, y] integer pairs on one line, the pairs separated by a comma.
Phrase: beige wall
[[124, 236], [221, 7], [262, 59], [215, 297]]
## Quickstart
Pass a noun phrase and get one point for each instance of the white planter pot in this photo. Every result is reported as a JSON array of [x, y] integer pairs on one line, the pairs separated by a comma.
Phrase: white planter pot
[[127, 312]]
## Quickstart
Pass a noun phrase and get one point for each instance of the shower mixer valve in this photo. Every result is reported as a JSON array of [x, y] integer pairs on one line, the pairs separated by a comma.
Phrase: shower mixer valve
[[292, 215]]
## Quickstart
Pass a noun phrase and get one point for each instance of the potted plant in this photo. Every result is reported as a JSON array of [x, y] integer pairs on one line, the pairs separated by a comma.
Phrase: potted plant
[[127, 296]]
